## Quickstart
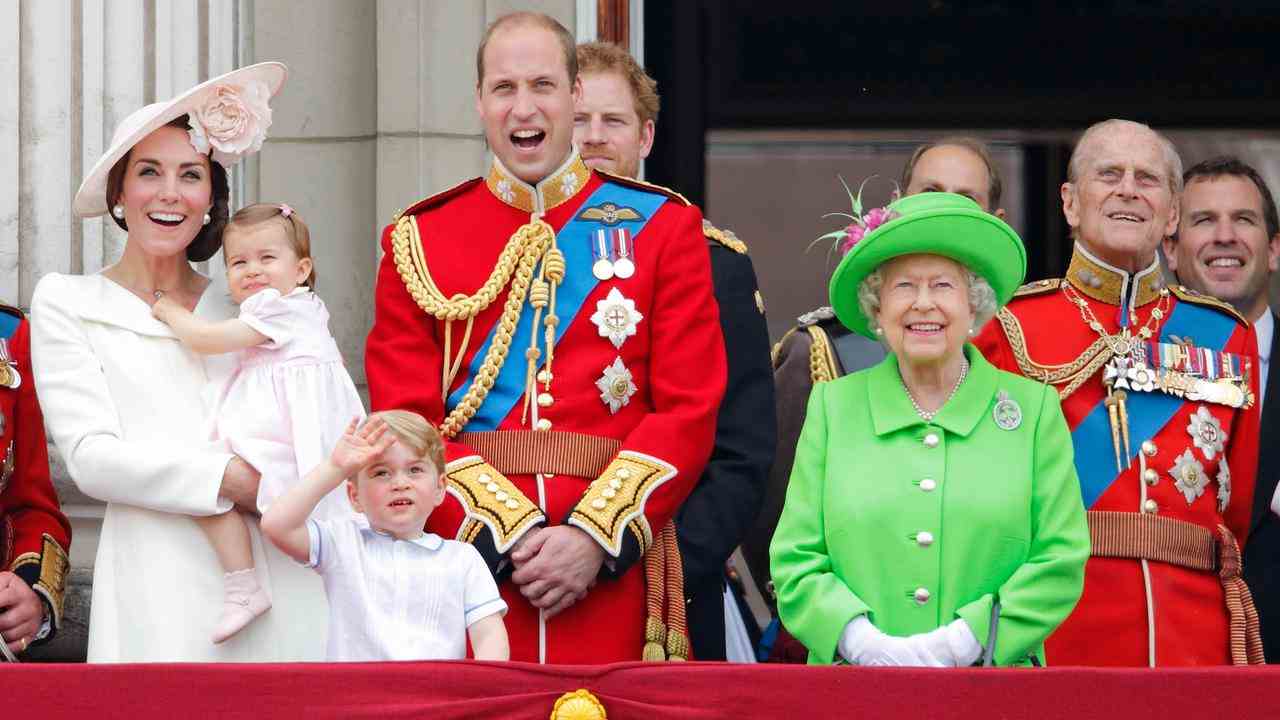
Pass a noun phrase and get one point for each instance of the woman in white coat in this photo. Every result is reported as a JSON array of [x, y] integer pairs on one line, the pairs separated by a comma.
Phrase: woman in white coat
[[123, 398]]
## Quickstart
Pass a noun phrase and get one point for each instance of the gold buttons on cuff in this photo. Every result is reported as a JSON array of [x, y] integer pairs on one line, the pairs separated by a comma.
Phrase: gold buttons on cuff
[[1148, 448], [623, 473], [928, 485], [608, 493], [1150, 507], [500, 496], [924, 538], [615, 483], [921, 595], [931, 440], [1150, 476], [484, 478], [512, 503], [599, 503], [543, 424], [492, 487]]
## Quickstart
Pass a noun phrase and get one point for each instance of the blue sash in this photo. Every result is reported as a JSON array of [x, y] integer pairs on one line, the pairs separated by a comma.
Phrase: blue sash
[[574, 240], [1148, 411]]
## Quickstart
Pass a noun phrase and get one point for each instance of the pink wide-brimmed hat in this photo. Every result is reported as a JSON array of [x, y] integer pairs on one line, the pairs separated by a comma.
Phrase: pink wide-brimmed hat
[[229, 119]]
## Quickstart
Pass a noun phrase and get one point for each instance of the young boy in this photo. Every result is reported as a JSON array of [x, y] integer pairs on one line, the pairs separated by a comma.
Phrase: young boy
[[395, 592]]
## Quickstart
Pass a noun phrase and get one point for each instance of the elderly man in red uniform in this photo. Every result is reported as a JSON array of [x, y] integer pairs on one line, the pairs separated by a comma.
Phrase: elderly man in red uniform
[[1159, 387], [34, 534], [559, 324]]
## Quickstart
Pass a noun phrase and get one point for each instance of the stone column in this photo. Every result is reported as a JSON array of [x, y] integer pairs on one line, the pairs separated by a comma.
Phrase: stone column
[[321, 153]]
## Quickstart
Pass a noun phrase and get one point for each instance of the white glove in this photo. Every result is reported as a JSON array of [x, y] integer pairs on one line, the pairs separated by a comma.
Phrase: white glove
[[952, 645], [862, 643]]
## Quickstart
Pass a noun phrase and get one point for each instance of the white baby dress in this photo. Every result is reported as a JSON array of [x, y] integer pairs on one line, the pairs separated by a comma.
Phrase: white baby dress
[[287, 403]]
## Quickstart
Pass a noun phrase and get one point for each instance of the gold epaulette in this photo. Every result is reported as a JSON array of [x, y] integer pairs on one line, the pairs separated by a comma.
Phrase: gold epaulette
[[433, 200], [488, 497], [615, 499], [51, 583], [724, 237], [822, 358], [642, 185], [1186, 294], [1038, 287]]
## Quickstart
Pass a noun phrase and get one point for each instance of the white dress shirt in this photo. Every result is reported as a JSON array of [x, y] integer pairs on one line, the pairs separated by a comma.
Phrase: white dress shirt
[[1265, 328], [393, 599]]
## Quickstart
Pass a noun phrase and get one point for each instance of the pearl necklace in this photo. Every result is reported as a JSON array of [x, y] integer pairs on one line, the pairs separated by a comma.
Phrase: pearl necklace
[[926, 415]]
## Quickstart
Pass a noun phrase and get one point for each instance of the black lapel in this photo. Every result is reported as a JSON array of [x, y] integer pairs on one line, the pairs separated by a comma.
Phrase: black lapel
[[1268, 451]]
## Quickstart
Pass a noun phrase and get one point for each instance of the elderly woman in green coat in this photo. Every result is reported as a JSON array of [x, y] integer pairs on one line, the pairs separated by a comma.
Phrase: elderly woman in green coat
[[931, 489]]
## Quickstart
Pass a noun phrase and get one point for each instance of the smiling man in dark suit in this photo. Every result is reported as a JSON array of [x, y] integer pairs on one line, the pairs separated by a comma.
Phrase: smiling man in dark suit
[[1227, 245]]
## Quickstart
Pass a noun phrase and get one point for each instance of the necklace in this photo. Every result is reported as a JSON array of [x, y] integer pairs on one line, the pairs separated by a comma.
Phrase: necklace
[[926, 415]]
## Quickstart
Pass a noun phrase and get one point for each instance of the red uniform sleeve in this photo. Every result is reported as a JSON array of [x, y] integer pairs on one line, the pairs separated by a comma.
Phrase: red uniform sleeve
[[38, 534], [1242, 443], [663, 456]]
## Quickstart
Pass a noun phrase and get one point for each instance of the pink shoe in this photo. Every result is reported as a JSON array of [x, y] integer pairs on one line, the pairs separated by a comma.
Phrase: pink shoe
[[244, 600]]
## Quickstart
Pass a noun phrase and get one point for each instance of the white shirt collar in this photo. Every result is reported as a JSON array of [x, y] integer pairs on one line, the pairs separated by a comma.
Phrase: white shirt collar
[[1265, 327], [429, 541]]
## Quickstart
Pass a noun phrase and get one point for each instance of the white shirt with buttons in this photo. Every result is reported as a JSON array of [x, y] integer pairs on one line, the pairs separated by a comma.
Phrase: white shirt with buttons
[[393, 599]]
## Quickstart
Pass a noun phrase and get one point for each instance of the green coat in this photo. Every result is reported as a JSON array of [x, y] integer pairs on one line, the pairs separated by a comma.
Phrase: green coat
[[1002, 516]]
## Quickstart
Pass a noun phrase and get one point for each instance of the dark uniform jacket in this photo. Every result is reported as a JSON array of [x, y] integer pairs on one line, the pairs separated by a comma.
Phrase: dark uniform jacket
[[1262, 552], [718, 513]]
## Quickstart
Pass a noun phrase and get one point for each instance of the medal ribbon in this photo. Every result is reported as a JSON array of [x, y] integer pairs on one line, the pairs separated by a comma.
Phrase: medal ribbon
[[576, 240], [1148, 411]]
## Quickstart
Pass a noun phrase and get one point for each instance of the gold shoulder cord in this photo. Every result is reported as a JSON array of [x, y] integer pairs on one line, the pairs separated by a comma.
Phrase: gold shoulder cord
[[1073, 374], [516, 264], [822, 360]]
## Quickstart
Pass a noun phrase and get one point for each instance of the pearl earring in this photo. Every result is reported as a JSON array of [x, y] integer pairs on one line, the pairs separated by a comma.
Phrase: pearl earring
[[207, 219], [118, 212], [972, 332], [880, 331]]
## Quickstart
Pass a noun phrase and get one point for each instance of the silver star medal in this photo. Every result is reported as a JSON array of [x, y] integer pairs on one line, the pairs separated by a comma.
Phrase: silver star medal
[[616, 317], [1006, 413], [615, 385], [1188, 476], [1224, 485], [1206, 433]]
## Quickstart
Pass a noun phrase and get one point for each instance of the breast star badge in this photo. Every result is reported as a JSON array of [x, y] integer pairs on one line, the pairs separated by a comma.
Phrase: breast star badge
[[616, 317], [616, 387], [1189, 476], [1206, 433]]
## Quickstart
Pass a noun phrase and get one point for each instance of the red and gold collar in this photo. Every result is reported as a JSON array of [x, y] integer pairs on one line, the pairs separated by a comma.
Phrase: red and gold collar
[[1108, 284], [558, 187]]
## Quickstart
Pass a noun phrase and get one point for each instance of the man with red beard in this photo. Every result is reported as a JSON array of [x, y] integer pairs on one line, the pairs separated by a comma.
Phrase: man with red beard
[[1159, 386], [560, 327], [614, 128]]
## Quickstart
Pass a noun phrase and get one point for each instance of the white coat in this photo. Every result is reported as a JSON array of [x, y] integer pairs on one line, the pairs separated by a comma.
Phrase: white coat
[[124, 403]]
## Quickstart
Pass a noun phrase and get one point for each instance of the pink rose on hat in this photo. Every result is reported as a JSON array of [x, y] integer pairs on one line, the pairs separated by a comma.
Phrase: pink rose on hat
[[232, 121]]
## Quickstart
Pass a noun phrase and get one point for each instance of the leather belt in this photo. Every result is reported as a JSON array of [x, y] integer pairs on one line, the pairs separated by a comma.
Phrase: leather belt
[[1176, 542]]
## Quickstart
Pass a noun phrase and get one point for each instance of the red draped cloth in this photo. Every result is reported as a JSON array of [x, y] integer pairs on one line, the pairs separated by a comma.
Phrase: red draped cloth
[[444, 690]]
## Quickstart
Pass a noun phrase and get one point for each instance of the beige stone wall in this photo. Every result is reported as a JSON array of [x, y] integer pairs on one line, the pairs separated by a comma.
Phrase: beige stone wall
[[378, 112]]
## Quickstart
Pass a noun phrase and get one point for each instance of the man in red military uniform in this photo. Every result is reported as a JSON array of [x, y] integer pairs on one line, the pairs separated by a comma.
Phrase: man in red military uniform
[[1159, 387], [34, 534], [560, 326]]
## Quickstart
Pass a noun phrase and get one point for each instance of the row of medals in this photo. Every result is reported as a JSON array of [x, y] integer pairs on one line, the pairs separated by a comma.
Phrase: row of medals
[[1129, 369]]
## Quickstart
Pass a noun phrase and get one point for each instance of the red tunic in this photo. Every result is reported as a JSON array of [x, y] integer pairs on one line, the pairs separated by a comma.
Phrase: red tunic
[[1188, 619], [660, 438], [34, 534]]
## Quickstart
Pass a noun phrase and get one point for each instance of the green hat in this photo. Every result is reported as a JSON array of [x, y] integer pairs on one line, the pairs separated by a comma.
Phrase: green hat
[[934, 223]]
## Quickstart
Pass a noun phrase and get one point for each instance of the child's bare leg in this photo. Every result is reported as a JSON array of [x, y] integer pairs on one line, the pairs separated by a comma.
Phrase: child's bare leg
[[229, 535], [243, 598]]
